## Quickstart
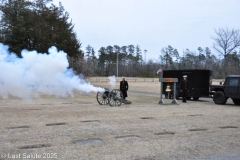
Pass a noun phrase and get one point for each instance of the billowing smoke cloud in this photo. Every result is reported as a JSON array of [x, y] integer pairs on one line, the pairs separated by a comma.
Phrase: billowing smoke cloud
[[112, 81], [36, 74]]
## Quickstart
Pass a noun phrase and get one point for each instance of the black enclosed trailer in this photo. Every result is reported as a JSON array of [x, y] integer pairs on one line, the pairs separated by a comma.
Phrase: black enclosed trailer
[[199, 81]]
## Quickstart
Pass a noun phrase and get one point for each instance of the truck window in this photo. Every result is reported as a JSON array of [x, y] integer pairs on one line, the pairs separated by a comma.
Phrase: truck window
[[233, 82]]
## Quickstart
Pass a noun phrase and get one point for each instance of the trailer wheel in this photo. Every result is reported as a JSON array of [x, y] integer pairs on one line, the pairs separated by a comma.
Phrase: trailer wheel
[[195, 98], [236, 101], [219, 98]]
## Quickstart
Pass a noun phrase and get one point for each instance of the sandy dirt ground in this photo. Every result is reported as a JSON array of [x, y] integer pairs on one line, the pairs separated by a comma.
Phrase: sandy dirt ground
[[79, 128]]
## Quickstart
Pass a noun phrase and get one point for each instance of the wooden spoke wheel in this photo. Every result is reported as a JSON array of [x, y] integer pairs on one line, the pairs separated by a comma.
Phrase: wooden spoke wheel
[[115, 98], [102, 98]]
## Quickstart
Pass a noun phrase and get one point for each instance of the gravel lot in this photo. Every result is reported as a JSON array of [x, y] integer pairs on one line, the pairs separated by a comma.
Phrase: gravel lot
[[79, 128]]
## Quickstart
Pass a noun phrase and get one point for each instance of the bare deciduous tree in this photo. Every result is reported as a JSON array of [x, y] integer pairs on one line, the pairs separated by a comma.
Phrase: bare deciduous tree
[[226, 41]]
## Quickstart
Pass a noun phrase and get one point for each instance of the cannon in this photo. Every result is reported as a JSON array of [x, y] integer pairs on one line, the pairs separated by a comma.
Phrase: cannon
[[111, 97]]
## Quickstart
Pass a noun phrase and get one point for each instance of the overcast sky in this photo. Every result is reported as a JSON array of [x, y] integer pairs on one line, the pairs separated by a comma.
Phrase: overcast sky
[[152, 24]]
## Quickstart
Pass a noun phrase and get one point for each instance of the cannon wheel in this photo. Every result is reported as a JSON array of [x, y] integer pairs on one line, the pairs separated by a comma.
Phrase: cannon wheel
[[102, 98], [115, 98]]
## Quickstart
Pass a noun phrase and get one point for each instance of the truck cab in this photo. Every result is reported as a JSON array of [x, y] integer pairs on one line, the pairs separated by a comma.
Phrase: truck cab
[[229, 89]]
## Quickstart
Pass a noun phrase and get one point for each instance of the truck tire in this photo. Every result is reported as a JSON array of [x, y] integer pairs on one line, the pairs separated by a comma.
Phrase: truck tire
[[236, 101], [219, 98]]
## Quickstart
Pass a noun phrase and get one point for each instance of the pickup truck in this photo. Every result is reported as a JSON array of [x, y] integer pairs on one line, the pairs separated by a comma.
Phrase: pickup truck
[[229, 89]]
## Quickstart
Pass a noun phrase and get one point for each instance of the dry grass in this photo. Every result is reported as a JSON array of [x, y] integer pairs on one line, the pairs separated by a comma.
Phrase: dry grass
[[142, 130]]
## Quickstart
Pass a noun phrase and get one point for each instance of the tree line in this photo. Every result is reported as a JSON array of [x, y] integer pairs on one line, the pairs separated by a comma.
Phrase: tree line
[[36, 25], [131, 61]]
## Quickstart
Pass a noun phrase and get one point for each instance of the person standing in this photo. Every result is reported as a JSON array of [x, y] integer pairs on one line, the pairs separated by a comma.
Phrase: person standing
[[124, 87], [184, 88]]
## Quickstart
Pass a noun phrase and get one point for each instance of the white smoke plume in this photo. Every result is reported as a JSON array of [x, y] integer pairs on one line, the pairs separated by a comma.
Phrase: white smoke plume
[[112, 81], [36, 74]]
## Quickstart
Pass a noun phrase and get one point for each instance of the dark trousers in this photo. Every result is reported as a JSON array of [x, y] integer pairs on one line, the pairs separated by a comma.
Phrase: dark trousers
[[124, 92], [184, 95]]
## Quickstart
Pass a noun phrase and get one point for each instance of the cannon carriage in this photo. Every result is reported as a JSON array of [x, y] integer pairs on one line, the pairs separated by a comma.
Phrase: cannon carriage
[[111, 97]]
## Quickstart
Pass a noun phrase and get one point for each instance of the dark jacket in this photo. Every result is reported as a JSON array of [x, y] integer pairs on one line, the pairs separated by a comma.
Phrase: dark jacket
[[184, 85], [124, 88]]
